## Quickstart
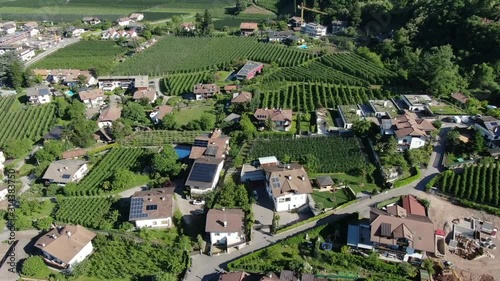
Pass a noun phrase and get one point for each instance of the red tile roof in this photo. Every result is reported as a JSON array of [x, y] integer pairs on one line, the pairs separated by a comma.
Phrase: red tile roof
[[460, 97], [249, 25], [412, 206]]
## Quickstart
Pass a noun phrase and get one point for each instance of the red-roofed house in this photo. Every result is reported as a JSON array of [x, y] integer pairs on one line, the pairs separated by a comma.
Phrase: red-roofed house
[[248, 28], [412, 206], [459, 99], [204, 91], [149, 94], [282, 118]]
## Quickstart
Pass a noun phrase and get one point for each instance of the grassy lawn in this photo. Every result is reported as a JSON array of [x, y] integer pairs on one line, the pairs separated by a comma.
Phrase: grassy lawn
[[163, 236], [26, 169], [354, 182], [86, 278], [446, 110], [186, 115], [324, 197], [222, 75]]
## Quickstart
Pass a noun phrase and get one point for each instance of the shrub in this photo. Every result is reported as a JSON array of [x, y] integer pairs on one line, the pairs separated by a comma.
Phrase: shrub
[[33, 266]]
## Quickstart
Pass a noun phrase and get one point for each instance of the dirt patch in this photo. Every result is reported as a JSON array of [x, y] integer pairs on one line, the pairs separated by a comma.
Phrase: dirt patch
[[257, 10], [442, 213]]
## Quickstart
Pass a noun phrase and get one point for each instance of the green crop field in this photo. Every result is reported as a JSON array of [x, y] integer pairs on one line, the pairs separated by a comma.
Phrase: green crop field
[[86, 211], [177, 84], [203, 53], [347, 155], [307, 97], [84, 55], [162, 137], [71, 10], [20, 122]]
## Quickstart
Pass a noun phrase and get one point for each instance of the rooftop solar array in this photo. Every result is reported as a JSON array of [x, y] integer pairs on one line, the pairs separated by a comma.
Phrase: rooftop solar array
[[202, 172], [43, 92], [136, 205], [200, 143], [211, 151], [275, 182]]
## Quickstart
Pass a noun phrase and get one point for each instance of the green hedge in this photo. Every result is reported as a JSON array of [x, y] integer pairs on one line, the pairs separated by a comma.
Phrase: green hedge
[[469, 204], [408, 180], [431, 183], [387, 202]]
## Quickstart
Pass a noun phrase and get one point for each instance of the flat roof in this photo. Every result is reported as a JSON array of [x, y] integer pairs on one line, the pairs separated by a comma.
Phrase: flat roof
[[248, 67], [358, 235], [268, 160], [350, 113], [384, 106], [418, 99]]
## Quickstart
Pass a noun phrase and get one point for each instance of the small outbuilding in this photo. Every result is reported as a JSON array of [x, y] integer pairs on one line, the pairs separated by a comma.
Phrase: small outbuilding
[[324, 183]]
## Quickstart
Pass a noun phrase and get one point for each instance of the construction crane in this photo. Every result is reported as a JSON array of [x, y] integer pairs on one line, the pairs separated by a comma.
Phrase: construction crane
[[302, 7]]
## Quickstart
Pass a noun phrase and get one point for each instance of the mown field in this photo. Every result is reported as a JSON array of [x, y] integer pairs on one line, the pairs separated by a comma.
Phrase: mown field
[[71, 10], [174, 54], [20, 121], [84, 55], [316, 152]]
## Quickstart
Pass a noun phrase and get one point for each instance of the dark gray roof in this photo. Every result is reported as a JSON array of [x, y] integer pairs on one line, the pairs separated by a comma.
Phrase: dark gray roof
[[37, 91], [203, 172], [324, 180], [248, 67], [287, 275], [308, 277]]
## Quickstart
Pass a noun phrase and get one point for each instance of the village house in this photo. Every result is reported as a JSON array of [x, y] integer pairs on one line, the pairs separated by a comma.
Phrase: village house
[[123, 21], [69, 77], [64, 247], [188, 27], [149, 94], [281, 119], [324, 183], [205, 91], [278, 36], [204, 175], [110, 83], [9, 27], [158, 113], [350, 114], [29, 25], [230, 88], [74, 153], [412, 206], [287, 185], [92, 98], [152, 208], [411, 132], [27, 55], [136, 17], [39, 95], [383, 108], [489, 127], [114, 34], [91, 20], [249, 70], [214, 145], [417, 103], [108, 116], [248, 28], [314, 30], [73, 32], [459, 99], [296, 23], [65, 171], [226, 228], [241, 98]]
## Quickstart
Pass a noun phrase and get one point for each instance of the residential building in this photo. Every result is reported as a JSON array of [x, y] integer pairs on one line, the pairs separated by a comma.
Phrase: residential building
[[324, 183], [411, 132], [69, 77], [232, 118], [296, 23], [288, 186], [74, 153], [136, 17], [205, 91], [158, 113], [65, 171], [108, 116], [114, 34], [109, 83], [152, 208], [214, 144], [409, 235], [73, 32], [489, 127], [350, 114], [338, 26], [240, 98], [412, 206], [91, 20], [149, 94], [9, 27], [417, 103], [255, 172], [34, 32], [39, 95], [123, 21], [92, 98], [204, 175], [27, 55], [231, 88], [280, 118], [383, 108], [314, 30], [278, 36], [12, 42], [249, 70], [188, 27], [225, 227], [248, 28], [29, 25], [459, 99], [64, 247], [238, 276]]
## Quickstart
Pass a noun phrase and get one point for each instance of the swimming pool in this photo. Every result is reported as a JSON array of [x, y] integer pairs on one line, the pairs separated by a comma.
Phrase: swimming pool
[[69, 93], [182, 151], [303, 46]]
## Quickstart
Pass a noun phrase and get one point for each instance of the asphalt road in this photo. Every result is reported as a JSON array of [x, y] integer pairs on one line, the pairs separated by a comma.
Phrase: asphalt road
[[65, 42]]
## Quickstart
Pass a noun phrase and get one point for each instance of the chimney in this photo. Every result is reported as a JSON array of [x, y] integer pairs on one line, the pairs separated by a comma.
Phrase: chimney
[[59, 170], [288, 167], [162, 198], [223, 208], [288, 177], [385, 103], [270, 274], [303, 178], [65, 168], [54, 236], [68, 233], [149, 199], [224, 223], [43, 245]]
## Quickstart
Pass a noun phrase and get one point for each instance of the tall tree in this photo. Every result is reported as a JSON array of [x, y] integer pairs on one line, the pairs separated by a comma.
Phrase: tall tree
[[166, 162], [81, 132]]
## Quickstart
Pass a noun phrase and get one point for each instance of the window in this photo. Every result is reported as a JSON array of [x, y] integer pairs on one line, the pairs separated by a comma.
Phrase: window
[[288, 199], [281, 200], [151, 207], [217, 234], [164, 222]]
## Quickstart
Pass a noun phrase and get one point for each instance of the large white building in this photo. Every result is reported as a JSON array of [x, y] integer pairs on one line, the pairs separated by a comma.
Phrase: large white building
[[152, 208], [225, 227], [288, 186], [64, 247], [314, 30], [39, 95]]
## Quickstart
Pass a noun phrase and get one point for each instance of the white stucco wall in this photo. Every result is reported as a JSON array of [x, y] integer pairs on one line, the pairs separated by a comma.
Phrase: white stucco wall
[[163, 222], [84, 252], [290, 202], [195, 190], [80, 173], [230, 237]]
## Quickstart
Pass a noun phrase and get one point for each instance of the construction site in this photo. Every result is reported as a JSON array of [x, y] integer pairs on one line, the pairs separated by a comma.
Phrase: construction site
[[472, 239]]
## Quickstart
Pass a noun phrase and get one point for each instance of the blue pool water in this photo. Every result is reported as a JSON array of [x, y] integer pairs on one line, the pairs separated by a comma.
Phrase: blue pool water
[[69, 93], [182, 151], [303, 46]]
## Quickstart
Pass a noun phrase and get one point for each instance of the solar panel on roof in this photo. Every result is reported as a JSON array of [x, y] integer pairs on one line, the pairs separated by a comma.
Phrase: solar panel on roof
[[136, 205], [66, 176], [275, 183], [211, 151], [202, 172], [200, 143]]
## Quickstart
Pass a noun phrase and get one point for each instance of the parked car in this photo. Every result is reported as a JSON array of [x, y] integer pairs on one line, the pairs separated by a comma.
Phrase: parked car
[[198, 212], [198, 202]]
